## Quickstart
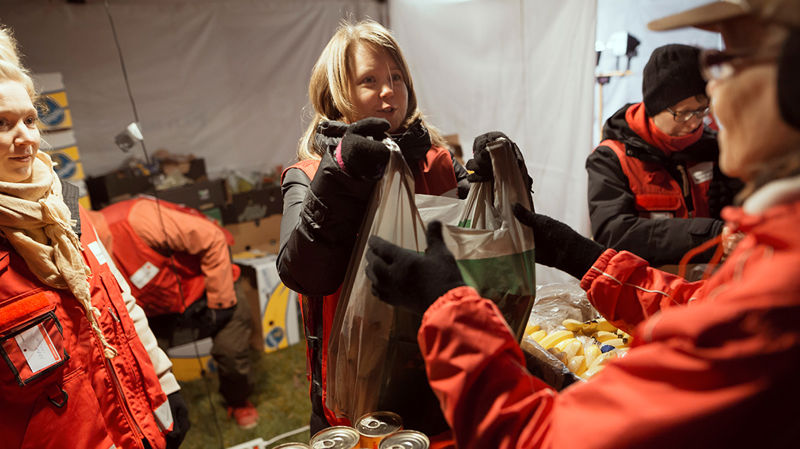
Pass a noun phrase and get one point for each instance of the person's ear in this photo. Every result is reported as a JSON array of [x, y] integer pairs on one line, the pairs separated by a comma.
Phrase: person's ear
[[788, 76]]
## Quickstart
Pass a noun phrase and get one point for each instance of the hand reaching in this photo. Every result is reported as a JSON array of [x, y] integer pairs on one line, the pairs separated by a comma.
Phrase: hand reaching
[[404, 278]]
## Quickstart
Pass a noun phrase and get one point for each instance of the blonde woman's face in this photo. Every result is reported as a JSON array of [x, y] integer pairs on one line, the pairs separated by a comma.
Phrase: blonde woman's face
[[19, 136], [378, 89]]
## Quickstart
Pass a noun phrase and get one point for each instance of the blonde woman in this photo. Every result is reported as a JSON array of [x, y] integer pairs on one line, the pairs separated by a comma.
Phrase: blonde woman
[[76, 370], [361, 91]]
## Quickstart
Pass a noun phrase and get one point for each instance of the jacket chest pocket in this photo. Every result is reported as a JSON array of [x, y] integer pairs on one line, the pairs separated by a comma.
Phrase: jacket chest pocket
[[659, 205], [31, 338]]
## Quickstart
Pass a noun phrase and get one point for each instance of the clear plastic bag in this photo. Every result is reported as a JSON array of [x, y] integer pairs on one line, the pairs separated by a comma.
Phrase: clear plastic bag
[[374, 361]]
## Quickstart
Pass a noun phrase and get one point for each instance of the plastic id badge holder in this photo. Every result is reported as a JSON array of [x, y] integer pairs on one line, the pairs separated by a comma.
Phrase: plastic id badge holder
[[31, 338]]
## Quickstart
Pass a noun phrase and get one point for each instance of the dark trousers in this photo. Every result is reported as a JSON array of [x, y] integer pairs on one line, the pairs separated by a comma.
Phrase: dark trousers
[[230, 348]]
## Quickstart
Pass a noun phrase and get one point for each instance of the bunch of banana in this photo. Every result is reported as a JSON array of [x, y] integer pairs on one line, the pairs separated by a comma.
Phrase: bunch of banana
[[583, 346]]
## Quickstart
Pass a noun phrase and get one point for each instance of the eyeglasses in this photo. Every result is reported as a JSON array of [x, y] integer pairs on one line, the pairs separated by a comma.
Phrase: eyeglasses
[[719, 65], [685, 116]]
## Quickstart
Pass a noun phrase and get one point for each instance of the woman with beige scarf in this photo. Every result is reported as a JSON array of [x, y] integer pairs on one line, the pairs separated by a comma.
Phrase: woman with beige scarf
[[80, 367]]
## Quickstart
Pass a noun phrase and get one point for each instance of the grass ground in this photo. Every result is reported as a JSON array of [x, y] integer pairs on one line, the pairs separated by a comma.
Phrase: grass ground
[[281, 397]]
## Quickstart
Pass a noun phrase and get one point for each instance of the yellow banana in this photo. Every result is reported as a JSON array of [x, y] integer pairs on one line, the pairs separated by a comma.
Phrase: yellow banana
[[561, 346], [615, 342], [577, 364], [572, 325], [589, 327], [591, 351], [604, 325], [554, 338], [538, 335], [602, 336], [531, 328], [597, 364], [573, 348]]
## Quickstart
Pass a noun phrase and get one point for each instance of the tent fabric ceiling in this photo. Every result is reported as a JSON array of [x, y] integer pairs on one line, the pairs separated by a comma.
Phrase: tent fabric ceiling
[[225, 79]]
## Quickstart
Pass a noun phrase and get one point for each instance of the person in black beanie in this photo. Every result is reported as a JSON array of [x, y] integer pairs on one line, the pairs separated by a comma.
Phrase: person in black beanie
[[654, 185]]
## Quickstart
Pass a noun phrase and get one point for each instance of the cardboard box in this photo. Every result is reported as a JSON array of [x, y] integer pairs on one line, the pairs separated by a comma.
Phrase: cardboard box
[[55, 113], [276, 309], [200, 195], [262, 235], [253, 204], [117, 186]]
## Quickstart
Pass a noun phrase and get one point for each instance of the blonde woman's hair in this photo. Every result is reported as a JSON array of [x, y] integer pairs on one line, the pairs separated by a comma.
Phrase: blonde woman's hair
[[10, 67], [329, 90]]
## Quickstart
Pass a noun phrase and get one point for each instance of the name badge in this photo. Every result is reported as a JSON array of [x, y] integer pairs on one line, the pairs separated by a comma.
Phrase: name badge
[[143, 275], [702, 172]]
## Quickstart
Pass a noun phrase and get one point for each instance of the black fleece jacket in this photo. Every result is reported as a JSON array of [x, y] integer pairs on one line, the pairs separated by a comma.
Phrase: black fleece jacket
[[615, 220]]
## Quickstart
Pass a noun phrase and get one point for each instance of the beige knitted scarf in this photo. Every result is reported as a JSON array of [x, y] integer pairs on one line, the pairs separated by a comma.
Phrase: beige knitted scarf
[[38, 224]]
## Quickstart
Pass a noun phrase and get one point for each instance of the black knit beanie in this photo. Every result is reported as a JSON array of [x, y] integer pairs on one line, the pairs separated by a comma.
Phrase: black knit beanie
[[671, 75]]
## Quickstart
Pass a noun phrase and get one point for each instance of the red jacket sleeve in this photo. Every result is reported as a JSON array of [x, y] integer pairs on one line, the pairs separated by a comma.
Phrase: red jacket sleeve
[[699, 381], [626, 290]]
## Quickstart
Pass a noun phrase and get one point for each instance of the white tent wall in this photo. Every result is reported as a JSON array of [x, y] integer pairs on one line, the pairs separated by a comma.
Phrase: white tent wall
[[225, 80], [632, 16], [524, 67]]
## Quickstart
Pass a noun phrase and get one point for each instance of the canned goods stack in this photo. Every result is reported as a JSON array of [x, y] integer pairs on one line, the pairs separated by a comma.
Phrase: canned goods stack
[[375, 430]]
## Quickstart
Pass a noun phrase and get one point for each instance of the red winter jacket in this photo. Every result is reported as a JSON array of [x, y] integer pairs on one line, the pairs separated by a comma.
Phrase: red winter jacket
[[713, 363], [151, 242], [84, 401]]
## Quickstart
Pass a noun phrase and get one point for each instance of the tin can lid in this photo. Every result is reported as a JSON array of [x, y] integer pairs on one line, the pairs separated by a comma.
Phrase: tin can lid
[[405, 439], [379, 423], [337, 437], [292, 445]]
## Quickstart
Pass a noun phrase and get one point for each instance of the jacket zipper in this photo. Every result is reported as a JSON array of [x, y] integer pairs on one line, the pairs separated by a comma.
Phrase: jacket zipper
[[687, 191], [128, 414], [120, 393]]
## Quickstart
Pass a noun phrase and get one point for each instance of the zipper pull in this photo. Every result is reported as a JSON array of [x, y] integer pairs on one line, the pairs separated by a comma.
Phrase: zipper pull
[[116, 318]]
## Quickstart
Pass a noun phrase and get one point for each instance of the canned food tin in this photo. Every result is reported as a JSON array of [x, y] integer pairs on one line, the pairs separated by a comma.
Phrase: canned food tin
[[292, 446], [337, 437], [376, 426], [405, 439]]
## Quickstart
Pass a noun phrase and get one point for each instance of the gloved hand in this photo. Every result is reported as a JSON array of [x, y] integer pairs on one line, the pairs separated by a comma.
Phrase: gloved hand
[[558, 245], [180, 420], [219, 318], [403, 278], [481, 163], [721, 192], [362, 157]]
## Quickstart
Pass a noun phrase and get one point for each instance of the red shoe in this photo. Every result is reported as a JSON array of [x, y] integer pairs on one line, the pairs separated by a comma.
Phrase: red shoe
[[246, 416]]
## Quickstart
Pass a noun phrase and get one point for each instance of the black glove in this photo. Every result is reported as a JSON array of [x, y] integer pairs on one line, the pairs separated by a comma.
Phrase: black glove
[[180, 420], [365, 158], [481, 163], [403, 278], [721, 192], [558, 245], [219, 318]]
